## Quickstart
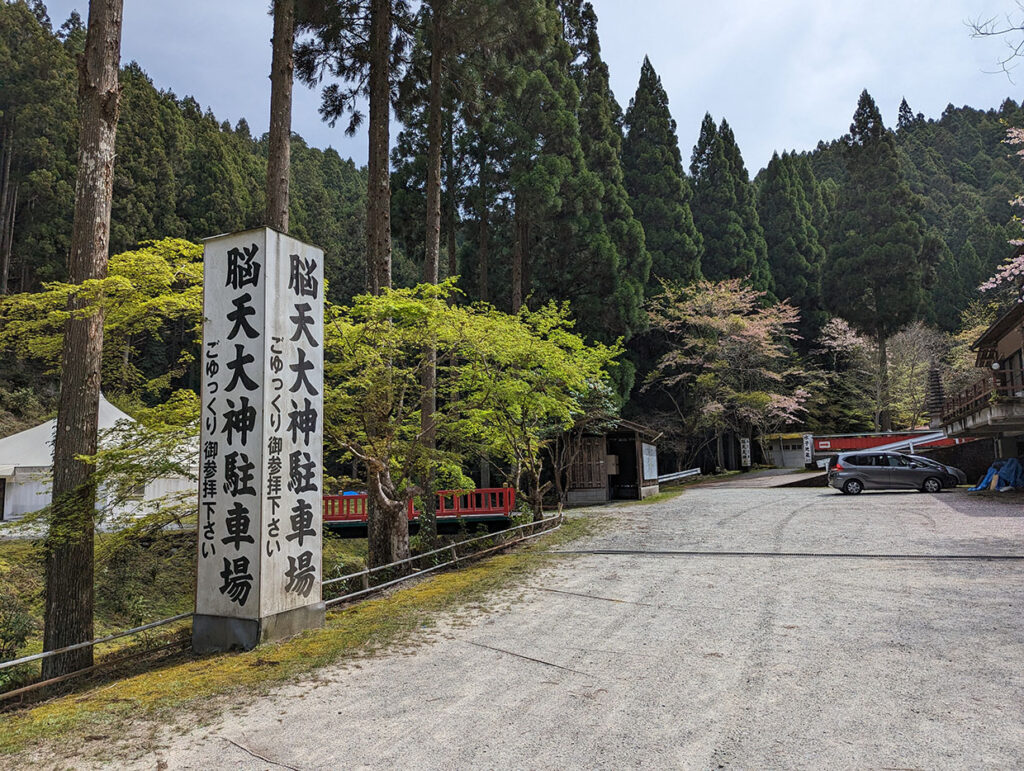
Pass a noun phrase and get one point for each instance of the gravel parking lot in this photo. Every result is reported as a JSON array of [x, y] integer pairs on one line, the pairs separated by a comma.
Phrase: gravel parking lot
[[675, 639]]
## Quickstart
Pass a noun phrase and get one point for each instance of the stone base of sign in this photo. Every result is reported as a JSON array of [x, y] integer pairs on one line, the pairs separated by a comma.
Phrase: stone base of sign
[[212, 634]]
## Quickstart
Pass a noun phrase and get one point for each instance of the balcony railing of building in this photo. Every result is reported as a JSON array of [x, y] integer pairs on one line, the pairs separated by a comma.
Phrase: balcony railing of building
[[1000, 385]]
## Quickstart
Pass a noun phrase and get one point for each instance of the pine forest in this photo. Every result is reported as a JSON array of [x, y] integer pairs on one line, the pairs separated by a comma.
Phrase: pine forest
[[543, 193]]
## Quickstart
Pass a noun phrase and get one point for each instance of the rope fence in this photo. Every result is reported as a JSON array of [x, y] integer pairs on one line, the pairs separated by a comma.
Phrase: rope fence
[[546, 525]]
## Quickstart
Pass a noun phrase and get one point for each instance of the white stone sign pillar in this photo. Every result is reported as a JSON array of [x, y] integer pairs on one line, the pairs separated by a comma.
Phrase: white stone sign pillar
[[261, 443], [808, 449], [745, 453]]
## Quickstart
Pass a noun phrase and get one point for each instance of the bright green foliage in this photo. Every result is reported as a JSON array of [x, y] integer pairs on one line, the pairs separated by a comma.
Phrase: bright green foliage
[[724, 211], [658, 189], [532, 378], [876, 267], [153, 301], [506, 384], [375, 353], [794, 252], [961, 357]]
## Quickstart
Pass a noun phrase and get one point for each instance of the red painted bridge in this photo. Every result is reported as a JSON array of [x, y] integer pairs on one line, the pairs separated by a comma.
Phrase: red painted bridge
[[485, 504]]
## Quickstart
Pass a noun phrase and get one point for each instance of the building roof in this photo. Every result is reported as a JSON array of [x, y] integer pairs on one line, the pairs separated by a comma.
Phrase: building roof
[[33, 447], [1000, 328]]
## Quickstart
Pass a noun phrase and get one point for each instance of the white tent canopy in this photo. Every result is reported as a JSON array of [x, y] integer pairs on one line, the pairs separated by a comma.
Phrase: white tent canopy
[[33, 447], [26, 464]]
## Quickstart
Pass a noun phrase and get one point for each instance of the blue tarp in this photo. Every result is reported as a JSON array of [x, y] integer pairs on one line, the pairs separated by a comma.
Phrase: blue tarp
[[1009, 473]]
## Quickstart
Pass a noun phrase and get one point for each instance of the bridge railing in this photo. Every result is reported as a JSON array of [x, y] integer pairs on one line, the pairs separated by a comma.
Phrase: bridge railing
[[1001, 384], [486, 501]]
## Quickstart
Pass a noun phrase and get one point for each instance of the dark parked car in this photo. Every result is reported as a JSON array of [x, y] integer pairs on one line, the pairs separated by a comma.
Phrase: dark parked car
[[852, 472]]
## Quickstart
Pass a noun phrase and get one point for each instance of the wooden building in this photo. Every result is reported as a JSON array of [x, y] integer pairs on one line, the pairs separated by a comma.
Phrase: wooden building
[[621, 464], [994, 405]]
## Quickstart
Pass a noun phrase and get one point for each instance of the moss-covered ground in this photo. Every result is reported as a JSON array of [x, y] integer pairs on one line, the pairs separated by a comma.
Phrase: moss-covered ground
[[136, 582], [186, 680]]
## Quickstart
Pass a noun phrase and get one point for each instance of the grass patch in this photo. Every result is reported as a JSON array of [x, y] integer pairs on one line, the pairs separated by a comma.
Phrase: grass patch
[[664, 495], [360, 630], [139, 581], [678, 488]]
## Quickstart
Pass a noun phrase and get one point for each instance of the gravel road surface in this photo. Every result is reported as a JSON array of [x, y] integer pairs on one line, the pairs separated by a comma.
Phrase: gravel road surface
[[732, 627]]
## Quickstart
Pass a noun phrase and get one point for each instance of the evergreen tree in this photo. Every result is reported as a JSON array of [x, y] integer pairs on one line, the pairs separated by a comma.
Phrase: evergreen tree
[[877, 266], [950, 293], [730, 251], [149, 159], [559, 231], [658, 189], [760, 274], [906, 117], [601, 140], [794, 253], [816, 198], [38, 129]]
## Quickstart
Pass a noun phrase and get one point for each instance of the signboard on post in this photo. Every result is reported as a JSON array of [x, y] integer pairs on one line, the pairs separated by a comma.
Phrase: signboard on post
[[745, 452], [808, 448], [650, 462], [261, 444]]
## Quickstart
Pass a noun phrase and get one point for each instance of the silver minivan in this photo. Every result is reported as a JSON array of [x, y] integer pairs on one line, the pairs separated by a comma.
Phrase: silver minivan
[[853, 472]]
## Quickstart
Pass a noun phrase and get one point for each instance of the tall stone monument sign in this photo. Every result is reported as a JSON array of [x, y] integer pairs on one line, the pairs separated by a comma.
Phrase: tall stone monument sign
[[261, 445]]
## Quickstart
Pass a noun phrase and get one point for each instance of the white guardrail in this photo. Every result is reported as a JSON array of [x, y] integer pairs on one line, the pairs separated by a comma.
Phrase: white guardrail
[[675, 477], [901, 445]]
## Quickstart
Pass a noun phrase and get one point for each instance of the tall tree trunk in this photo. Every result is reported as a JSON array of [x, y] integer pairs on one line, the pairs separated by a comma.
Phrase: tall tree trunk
[[378, 208], [536, 494], [387, 531], [431, 264], [518, 257], [484, 245], [432, 251], [69, 542], [279, 148], [7, 239], [8, 200], [450, 214], [884, 421]]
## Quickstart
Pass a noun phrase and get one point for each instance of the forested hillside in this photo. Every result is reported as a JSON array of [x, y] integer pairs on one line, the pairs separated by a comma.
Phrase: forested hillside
[[552, 189], [180, 172], [966, 176]]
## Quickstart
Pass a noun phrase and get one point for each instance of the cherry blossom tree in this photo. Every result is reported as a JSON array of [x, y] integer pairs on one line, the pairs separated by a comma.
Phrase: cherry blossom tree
[[730, 364], [1010, 275]]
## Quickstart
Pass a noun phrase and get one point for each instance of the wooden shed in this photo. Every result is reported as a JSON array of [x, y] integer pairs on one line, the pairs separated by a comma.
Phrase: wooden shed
[[621, 464]]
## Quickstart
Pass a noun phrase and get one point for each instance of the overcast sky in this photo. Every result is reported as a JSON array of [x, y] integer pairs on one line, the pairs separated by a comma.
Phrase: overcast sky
[[785, 73]]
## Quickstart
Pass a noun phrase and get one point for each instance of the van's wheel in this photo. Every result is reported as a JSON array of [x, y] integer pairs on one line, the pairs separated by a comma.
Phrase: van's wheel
[[853, 487], [932, 485]]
